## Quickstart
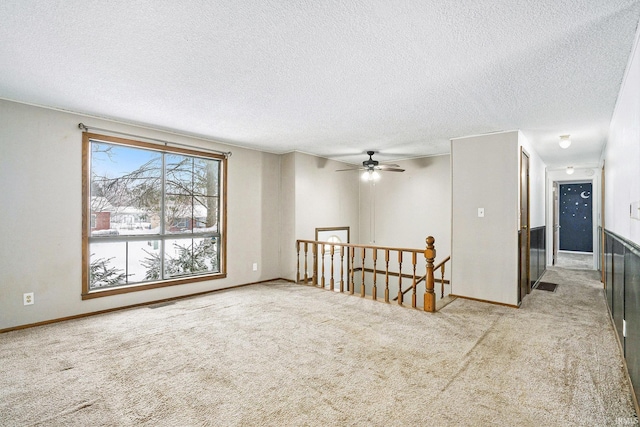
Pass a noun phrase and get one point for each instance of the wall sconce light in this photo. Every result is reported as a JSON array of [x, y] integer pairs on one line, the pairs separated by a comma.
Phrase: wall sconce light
[[565, 142], [569, 170]]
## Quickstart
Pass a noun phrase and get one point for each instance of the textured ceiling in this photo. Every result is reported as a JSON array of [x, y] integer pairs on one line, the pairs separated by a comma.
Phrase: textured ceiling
[[332, 78]]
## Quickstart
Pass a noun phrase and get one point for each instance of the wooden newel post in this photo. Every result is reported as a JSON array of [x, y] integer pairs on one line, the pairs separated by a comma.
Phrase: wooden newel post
[[429, 295]]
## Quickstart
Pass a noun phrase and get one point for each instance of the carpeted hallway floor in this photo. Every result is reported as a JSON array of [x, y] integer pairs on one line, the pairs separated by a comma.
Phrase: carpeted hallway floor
[[575, 260], [282, 354]]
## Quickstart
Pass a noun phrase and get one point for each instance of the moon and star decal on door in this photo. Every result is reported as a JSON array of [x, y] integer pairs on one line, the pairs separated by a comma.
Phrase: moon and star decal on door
[[576, 222]]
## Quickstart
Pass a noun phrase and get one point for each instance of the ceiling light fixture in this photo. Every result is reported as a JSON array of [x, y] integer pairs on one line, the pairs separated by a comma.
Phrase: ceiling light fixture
[[569, 170], [370, 175], [565, 142]]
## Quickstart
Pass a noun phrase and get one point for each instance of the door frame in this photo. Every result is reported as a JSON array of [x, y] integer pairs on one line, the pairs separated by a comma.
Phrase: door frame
[[524, 242], [348, 230], [602, 235], [556, 222], [560, 176]]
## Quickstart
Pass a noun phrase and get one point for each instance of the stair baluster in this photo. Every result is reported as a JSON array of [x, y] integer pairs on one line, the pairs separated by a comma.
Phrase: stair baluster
[[400, 294], [306, 268], [362, 293], [414, 260], [341, 269], [374, 291], [331, 281], [386, 276], [352, 251], [322, 256], [297, 262], [314, 280]]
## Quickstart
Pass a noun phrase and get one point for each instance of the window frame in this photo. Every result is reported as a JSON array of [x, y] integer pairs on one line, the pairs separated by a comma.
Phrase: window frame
[[88, 293]]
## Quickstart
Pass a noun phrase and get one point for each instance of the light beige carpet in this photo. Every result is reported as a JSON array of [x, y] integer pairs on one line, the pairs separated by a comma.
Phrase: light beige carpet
[[283, 354], [574, 260]]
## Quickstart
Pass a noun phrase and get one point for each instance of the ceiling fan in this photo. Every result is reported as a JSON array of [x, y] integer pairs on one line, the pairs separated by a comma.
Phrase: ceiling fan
[[371, 168]]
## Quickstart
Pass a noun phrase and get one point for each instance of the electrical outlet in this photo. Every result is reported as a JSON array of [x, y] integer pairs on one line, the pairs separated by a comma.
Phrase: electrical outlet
[[255, 266], [27, 298]]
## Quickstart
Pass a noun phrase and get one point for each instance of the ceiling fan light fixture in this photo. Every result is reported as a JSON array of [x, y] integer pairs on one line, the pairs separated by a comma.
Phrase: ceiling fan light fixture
[[372, 168], [565, 142], [569, 170], [370, 175]]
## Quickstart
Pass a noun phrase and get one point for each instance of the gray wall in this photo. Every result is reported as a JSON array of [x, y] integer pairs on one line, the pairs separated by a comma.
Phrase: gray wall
[[324, 197], [314, 195], [287, 214], [410, 206], [622, 157], [485, 174], [40, 219], [272, 200]]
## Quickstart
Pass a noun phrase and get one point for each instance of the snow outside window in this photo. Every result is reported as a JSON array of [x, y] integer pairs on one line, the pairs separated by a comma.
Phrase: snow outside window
[[155, 214]]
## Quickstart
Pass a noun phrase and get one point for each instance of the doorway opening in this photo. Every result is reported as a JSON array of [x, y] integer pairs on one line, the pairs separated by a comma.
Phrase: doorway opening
[[556, 256], [574, 225], [524, 234]]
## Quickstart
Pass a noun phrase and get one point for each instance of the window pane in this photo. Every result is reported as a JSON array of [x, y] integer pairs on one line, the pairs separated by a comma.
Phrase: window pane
[[127, 204], [206, 214], [185, 215], [192, 202], [107, 264], [206, 177], [144, 261], [179, 214], [180, 174], [205, 255], [191, 256], [126, 189]]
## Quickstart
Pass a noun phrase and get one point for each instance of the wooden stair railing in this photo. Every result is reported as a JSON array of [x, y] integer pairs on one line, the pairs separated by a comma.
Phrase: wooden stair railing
[[321, 251], [442, 280]]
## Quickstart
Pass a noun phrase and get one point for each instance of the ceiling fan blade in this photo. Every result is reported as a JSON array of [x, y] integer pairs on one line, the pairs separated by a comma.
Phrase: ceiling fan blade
[[373, 165], [378, 168]]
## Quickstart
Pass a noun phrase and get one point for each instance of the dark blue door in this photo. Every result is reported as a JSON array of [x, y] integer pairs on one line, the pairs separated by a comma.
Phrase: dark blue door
[[576, 223]]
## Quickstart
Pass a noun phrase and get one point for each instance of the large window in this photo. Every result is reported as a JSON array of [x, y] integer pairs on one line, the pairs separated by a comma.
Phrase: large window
[[153, 215]]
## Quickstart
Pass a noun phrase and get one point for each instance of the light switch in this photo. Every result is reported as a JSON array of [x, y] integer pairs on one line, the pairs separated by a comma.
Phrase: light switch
[[635, 210], [480, 212]]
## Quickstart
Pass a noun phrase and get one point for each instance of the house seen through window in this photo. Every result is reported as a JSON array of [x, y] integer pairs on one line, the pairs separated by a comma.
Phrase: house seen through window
[[155, 214]]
